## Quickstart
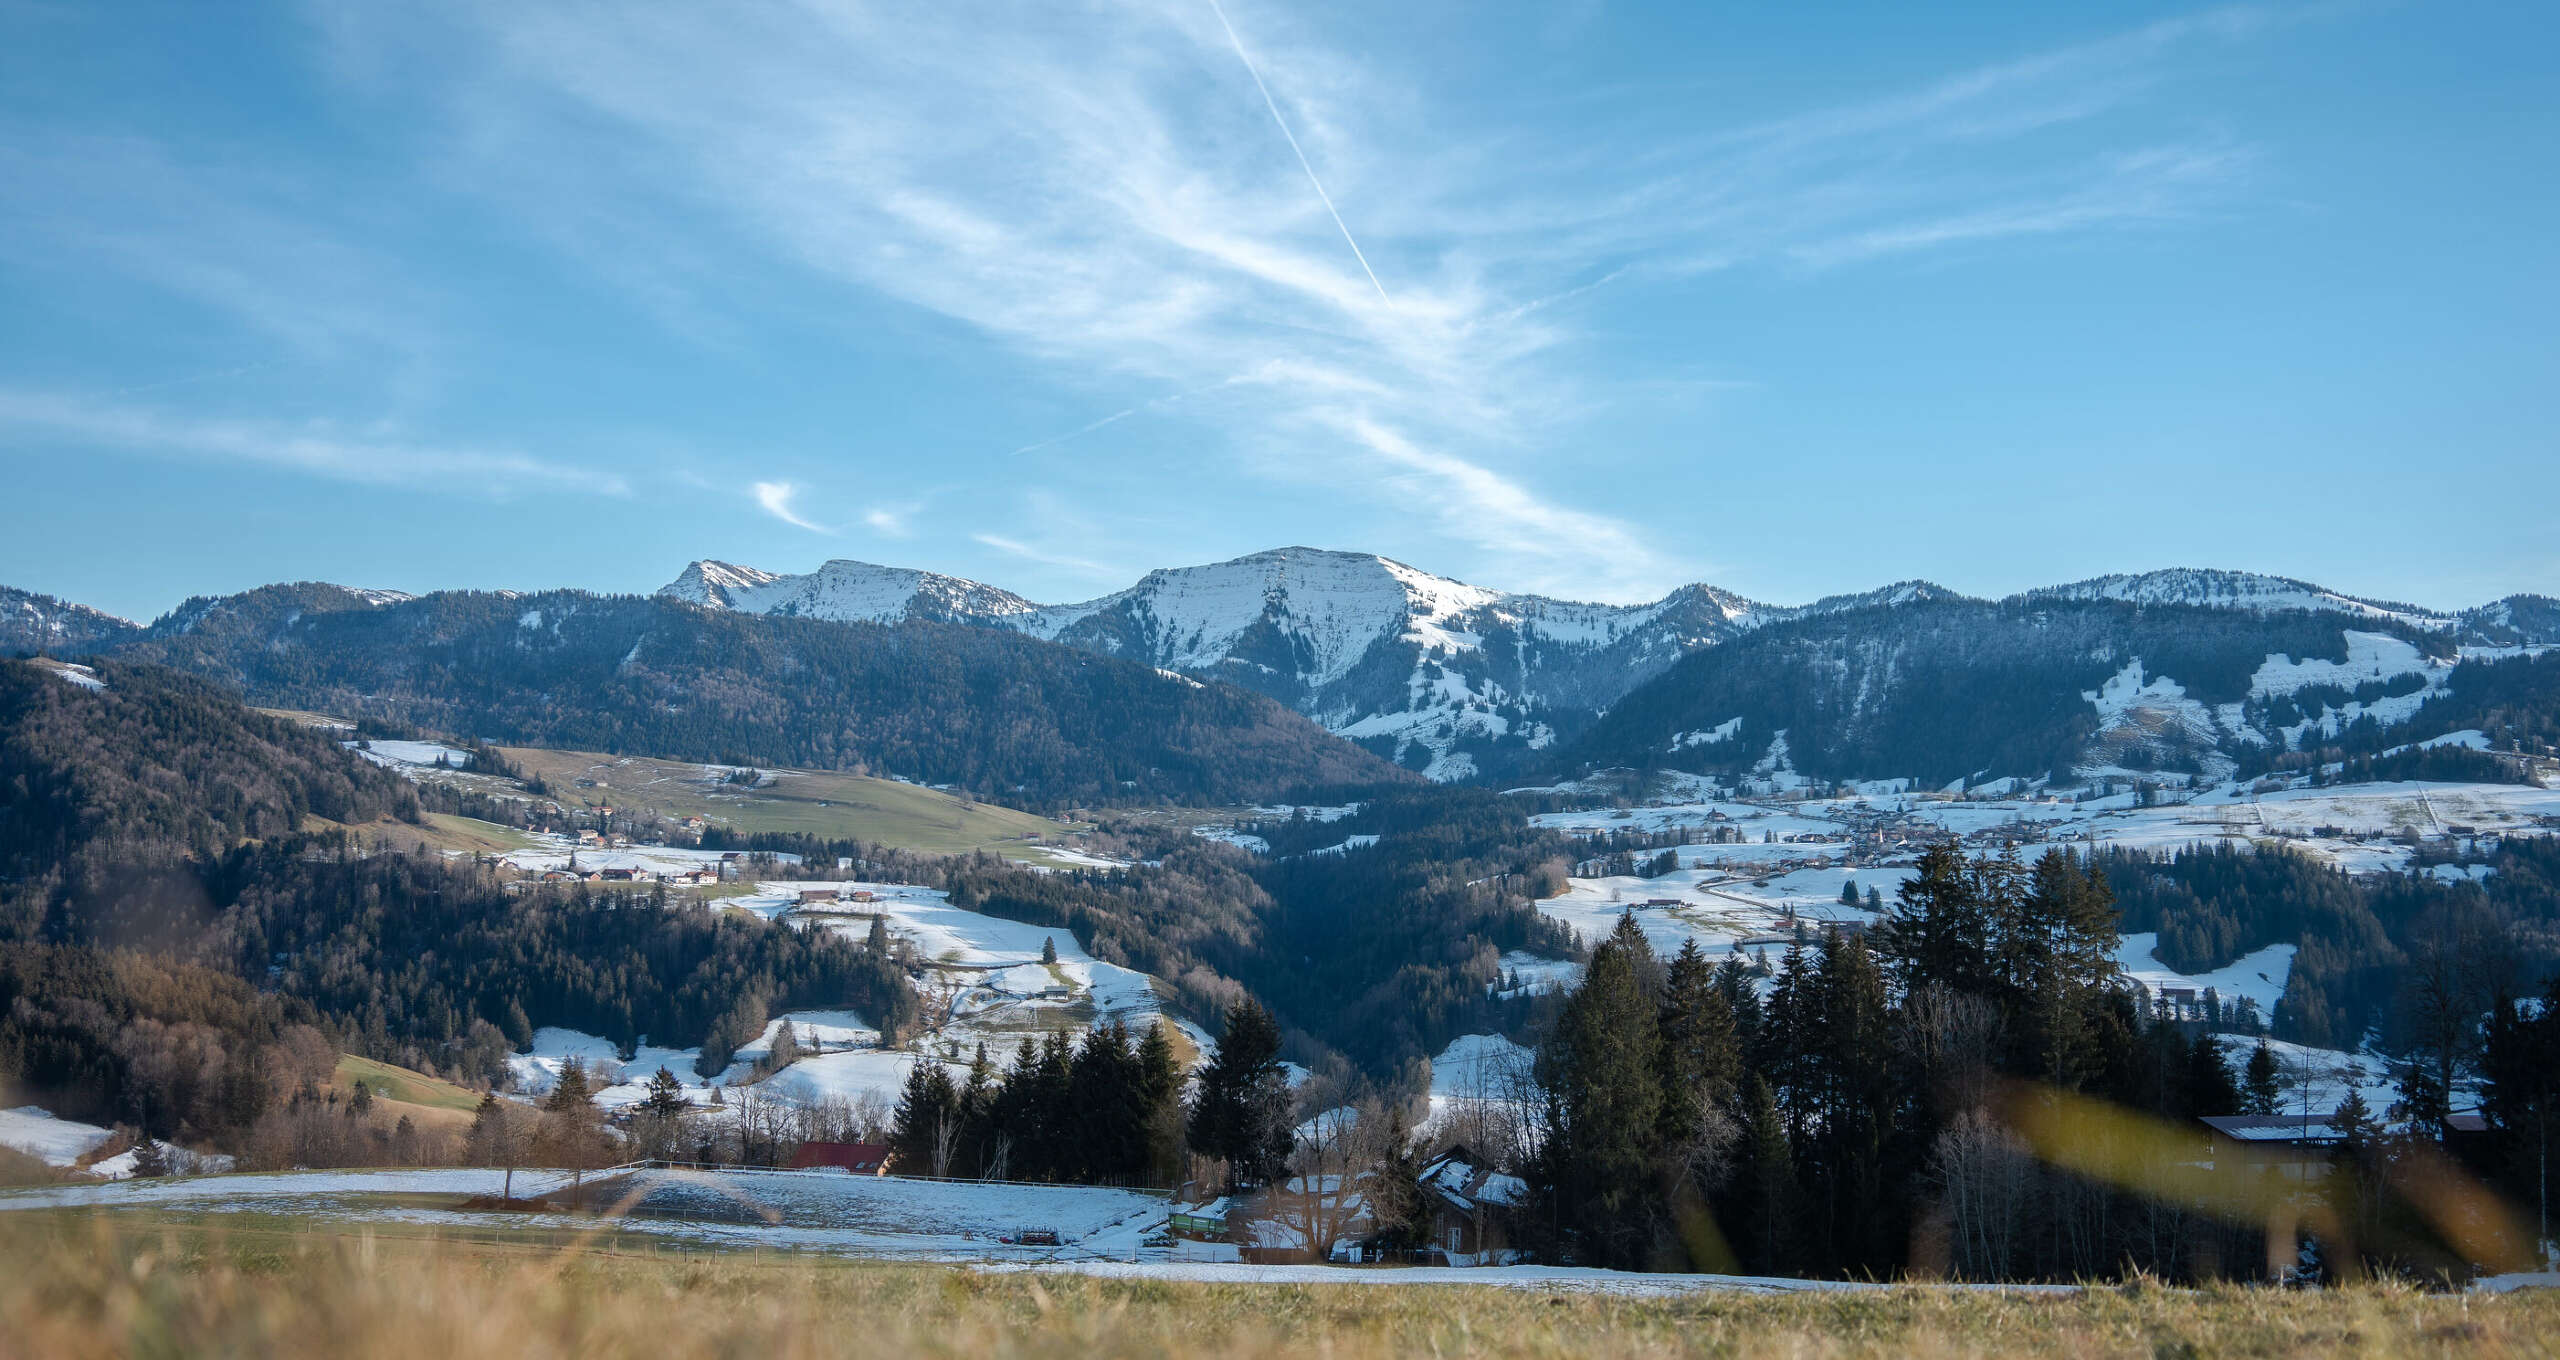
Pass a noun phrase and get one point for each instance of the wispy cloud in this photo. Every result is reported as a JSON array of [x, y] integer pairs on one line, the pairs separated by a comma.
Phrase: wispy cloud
[[366, 457], [776, 498], [894, 521], [1107, 195], [1046, 557]]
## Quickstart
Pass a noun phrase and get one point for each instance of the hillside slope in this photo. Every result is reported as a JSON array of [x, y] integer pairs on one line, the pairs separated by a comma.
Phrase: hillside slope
[[2039, 685], [993, 712], [40, 623]]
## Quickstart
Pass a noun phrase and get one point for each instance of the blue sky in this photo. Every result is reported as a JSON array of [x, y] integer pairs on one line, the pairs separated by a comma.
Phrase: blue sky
[[1592, 299]]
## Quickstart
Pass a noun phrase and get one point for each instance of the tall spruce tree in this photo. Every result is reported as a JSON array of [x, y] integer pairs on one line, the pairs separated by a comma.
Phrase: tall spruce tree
[[1939, 929], [1240, 1115], [1598, 1161], [2262, 1088]]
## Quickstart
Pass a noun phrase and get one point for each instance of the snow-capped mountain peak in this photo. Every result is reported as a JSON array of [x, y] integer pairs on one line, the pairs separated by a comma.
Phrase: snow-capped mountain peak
[[846, 591], [710, 582], [1444, 676], [1421, 667]]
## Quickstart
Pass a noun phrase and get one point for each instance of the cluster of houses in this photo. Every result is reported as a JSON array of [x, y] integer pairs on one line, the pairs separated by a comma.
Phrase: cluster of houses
[[1464, 1208]]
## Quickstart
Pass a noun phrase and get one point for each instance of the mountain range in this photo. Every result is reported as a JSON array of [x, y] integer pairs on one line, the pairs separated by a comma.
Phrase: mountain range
[[1457, 680], [2205, 672]]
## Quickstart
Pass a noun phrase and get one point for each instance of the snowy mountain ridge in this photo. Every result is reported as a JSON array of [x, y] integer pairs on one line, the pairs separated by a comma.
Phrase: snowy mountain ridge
[[1439, 674], [2238, 590], [846, 592]]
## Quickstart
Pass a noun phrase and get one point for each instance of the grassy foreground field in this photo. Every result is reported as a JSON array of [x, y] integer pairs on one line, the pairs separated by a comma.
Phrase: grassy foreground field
[[80, 1286]]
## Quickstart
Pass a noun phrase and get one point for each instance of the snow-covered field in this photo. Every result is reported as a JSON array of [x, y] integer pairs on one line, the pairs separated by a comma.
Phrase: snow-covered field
[[1000, 958], [823, 1211], [395, 755], [33, 1130], [554, 852], [267, 1191], [989, 969], [2259, 977], [625, 1080]]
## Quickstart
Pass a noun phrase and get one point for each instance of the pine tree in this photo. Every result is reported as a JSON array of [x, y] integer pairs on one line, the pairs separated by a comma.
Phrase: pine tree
[[1240, 1116], [926, 1130], [1767, 1200], [2353, 1124], [1856, 1094], [1049, 949], [2262, 1088], [1848, 892], [1939, 929], [2210, 1088], [1600, 1068], [1741, 993], [665, 1098], [2520, 1095], [1699, 1062], [2423, 1103], [150, 1161], [1160, 1104], [360, 1103]]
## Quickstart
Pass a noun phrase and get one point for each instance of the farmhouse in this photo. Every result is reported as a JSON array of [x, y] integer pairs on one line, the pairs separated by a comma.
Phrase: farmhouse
[[2295, 1146], [1467, 1200], [860, 1159]]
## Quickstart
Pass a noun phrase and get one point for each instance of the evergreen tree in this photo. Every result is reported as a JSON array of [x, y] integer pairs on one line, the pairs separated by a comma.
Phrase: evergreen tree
[[1160, 1105], [2420, 1112], [1240, 1116], [1600, 1068], [2262, 1088], [1699, 1062], [2520, 1095], [1767, 1201], [2209, 1086], [665, 1098], [1848, 892], [150, 1161], [1049, 949], [1855, 1096], [1741, 993], [1939, 930], [2353, 1123], [926, 1128]]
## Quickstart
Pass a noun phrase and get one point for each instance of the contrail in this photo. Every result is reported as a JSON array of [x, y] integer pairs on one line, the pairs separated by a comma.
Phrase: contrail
[[1157, 404], [1081, 430], [1303, 164]]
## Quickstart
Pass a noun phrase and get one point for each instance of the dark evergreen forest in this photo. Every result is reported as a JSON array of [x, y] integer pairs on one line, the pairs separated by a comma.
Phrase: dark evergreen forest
[[176, 929]]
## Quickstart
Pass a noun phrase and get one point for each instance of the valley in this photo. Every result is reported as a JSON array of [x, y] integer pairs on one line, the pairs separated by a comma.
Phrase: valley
[[874, 859]]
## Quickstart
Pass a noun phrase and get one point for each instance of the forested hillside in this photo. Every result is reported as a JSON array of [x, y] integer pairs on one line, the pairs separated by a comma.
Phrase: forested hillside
[[1948, 689], [39, 623], [1004, 716], [175, 950], [158, 767], [2360, 939]]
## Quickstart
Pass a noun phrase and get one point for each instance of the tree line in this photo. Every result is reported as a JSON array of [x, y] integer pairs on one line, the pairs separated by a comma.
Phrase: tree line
[[1853, 1109]]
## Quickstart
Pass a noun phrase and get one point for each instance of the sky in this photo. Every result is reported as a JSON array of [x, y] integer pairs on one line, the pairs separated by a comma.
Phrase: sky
[[1591, 299]]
